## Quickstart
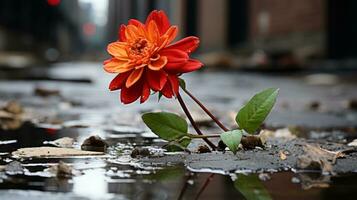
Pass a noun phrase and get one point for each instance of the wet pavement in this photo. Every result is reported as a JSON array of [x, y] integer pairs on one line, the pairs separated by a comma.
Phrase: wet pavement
[[73, 101]]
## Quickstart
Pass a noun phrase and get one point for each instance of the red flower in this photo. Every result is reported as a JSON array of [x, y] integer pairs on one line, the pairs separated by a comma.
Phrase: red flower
[[146, 60]]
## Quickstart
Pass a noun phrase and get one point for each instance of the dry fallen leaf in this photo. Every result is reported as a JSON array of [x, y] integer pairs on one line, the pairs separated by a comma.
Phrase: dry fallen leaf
[[51, 152], [316, 157], [309, 181], [65, 142]]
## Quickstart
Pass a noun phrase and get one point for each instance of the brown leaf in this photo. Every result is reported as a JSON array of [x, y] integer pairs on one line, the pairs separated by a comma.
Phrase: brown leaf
[[316, 157], [51, 152]]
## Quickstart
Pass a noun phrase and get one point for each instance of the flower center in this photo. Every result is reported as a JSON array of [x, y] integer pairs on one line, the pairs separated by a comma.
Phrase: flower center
[[139, 46]]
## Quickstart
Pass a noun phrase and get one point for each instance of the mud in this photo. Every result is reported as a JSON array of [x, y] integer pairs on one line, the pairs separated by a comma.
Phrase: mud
[[259, 160], [314, 112]]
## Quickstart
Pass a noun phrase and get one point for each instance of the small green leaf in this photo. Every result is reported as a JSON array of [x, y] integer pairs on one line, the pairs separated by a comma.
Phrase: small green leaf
[[178, 145], [159, 97], [182, 83], [253, 114], [251, 187], [232, 139], [167, 126]]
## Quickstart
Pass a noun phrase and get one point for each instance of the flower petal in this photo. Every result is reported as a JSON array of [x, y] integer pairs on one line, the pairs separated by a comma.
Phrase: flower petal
[[175, 58], [119, 81], [134, 77], [167, 91], [188, 44], [156, 79], [145, 93], [171, 34], [117, 66], [132, 32], [129, 95], [121, 35], [153, 32], [117, 49], [158, 64], [135, 22], [191, 65], [174, 55], [174, 83], [160, 19]]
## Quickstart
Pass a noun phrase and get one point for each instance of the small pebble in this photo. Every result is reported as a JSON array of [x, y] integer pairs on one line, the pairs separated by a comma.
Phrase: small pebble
[[264, 177], [203, 149], [94, 143], [140, 152], [295, 180]]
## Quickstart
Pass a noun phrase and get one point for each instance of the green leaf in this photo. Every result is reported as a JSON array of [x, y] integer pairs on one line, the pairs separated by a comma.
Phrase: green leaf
[[182, 83], [232, 139], [253, 114], [159, 97], [167, 126], [178, 145], [167, 174], [251, 187]]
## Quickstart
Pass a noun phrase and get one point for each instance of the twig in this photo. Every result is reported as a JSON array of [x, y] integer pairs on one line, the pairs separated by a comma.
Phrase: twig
[[195, 126], [206, 110], [184, 187], [208, 180]]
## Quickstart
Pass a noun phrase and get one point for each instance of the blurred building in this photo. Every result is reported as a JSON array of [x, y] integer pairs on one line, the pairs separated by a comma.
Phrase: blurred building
[[42, 30], [305, 29]]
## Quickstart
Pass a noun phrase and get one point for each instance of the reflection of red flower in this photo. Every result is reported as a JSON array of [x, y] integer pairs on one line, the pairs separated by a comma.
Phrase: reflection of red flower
[[146, 60]]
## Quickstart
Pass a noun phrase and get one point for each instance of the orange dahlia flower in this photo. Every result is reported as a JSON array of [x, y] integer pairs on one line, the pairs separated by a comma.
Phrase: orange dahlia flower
[[146, 59]]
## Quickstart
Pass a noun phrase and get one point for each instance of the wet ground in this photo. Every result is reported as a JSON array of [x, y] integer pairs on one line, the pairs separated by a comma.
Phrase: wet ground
[[71, 100]]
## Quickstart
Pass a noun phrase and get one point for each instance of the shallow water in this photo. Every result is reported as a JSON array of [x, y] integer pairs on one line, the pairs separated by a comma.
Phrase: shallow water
[[117, 176], [85, 109]]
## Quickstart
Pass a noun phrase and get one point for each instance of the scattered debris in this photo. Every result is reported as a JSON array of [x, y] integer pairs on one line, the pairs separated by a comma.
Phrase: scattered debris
[[282, 155], [316, 157], [8, 142], [221, 146], [314, 105], [10, 116], [252, 141], [353, 143], [13, 107], [44, 92], [94, 143], [62, 170], [284, 133], [295, 180], [309, 181], [51, 152], [203, 149], [264, 177], [140, 152], [352, 104], [322, 79], [65, 142], [14, 168]]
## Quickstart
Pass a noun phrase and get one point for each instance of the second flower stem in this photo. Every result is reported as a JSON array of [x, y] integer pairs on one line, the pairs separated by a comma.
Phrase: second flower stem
[[195, 126], [205, 110]]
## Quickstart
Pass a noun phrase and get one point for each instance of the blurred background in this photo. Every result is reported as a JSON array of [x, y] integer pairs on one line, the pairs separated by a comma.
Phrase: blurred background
[[247, 34], [51, 54]]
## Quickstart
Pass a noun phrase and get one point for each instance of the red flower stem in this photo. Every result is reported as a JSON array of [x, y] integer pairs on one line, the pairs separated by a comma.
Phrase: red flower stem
[[208, 180], [195, 126], [206, 110], [184, 188], [204, 136]]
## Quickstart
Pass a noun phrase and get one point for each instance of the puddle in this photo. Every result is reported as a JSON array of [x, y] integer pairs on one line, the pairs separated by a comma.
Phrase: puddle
[[85, 109], [118, 176]]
